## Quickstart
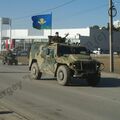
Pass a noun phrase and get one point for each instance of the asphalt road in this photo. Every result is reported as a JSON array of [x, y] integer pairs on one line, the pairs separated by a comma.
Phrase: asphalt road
[[46, 100]]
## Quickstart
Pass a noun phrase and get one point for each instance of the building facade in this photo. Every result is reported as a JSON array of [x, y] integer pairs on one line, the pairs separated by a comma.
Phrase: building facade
[[90, 37]]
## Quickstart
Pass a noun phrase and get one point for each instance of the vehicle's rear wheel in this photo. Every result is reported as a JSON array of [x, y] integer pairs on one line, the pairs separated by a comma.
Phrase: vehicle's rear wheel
[[35, 73], [16, 62], [9, 62], [93, 80], [63, 75]]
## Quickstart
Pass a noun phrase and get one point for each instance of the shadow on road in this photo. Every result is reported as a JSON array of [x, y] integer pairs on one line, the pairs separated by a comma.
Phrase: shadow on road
[[109, 82], [6, 112], [78, 82], [105, 82]]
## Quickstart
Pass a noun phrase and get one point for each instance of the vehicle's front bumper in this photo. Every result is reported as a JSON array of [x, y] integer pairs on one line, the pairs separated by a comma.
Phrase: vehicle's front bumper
[[84, 75]]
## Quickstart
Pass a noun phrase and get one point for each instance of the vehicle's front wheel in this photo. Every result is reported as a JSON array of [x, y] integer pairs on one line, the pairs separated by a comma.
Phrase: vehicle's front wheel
[[9, 62], [63, 75], [93, 80], [16, 62], [3, 62], [35, 73]]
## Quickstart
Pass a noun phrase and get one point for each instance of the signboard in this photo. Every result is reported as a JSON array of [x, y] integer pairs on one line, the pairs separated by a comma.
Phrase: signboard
[[6, 21]]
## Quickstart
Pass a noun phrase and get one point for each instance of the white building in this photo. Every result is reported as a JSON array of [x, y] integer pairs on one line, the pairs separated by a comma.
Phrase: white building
[[89, 37], [116, 23], [28, 35], [43, 34]]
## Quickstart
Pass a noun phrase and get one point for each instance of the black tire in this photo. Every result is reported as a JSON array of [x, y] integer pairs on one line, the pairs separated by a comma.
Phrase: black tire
[[63, 75], [93, 80], [16, 62], [35, 73], [9, 62], [3, 62]]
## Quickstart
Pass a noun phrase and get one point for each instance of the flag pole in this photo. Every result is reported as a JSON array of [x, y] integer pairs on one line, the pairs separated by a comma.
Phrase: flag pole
[[51, 25]]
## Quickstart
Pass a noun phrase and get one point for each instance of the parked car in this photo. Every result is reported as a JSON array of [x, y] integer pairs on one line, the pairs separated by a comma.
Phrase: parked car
[[21, 53]]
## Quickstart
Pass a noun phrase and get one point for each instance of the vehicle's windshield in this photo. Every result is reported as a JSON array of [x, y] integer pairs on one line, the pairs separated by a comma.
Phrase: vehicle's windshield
[[67, 49]]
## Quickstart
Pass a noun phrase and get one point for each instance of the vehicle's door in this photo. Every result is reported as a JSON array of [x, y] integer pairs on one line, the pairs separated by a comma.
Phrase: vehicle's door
[[49, 61]]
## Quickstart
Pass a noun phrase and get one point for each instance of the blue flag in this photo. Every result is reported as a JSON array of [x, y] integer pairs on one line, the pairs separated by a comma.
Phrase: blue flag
[[42, 21]]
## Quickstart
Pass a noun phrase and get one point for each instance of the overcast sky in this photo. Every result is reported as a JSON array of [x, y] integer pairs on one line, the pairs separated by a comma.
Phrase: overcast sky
[[66, 13]]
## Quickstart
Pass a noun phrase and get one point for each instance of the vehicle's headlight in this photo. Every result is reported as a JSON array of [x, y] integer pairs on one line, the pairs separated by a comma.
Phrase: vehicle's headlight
[[100, 66], [73, 65]]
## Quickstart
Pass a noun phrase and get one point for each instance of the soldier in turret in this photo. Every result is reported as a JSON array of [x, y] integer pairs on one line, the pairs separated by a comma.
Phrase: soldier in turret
[[56, 38]]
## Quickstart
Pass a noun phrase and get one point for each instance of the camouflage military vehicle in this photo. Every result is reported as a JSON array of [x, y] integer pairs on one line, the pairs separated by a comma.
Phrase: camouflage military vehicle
[[64, 62], [9, 58]]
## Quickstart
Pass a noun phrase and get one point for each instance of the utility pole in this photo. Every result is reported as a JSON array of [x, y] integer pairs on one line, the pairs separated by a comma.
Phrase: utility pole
[[111, 35], [112, 13]]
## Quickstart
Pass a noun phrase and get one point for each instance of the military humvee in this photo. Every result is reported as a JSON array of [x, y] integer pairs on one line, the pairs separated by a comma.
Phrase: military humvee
[[64, 62]]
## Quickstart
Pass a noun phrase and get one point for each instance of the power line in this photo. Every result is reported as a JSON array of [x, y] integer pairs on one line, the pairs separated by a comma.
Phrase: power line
[[47, 10], [86, 11], [117, 2], [64, 4], [68, 16], [90, 10]]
